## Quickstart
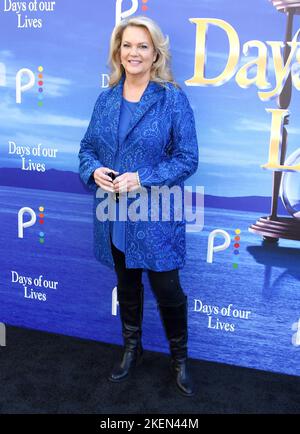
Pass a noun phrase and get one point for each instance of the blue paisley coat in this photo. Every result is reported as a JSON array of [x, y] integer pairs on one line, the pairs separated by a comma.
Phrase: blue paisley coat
[[161, 144]]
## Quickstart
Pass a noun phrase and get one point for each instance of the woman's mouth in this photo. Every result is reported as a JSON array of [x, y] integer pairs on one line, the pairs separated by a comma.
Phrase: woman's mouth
[[134, 62]]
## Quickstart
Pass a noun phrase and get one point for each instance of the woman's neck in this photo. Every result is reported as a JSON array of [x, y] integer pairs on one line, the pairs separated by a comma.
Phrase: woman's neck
[[134, 88], [134, 82]]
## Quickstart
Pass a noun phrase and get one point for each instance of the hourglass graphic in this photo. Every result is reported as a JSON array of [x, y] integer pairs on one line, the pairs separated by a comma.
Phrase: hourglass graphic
[[285, 184]]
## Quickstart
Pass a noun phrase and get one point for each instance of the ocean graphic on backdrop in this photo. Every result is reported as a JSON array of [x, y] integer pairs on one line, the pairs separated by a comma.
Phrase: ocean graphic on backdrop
[[244, 306], [265, 284]]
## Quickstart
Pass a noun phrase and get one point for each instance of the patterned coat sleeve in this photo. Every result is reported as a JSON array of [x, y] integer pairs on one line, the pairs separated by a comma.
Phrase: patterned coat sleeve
[[183, 159], [89, 161]]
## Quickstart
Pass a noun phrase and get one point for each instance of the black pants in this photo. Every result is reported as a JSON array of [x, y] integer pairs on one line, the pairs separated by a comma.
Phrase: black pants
[[165, 284]]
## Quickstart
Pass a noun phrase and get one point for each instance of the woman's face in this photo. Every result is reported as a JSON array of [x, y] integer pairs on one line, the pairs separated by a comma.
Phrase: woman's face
[[137, 52]]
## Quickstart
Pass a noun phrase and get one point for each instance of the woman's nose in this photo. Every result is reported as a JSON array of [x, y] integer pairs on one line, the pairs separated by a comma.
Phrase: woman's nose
[[134, 50]]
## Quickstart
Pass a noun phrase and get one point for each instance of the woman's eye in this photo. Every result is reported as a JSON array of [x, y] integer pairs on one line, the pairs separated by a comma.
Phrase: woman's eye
[[144, 47]]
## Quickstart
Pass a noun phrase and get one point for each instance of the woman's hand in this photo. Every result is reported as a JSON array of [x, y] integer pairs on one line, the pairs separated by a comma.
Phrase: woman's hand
[[126, 182], [103, 180]]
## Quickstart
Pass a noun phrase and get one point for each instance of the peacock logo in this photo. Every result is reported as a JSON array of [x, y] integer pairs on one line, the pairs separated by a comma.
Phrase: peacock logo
[[121, 14]]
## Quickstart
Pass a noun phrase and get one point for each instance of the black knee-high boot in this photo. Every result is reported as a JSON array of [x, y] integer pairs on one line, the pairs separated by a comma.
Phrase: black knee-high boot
[[131, 314], [174, 319]]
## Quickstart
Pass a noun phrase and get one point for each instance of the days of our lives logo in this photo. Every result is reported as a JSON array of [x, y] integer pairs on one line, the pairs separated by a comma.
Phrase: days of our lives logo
[[267, 51], [28, 13]]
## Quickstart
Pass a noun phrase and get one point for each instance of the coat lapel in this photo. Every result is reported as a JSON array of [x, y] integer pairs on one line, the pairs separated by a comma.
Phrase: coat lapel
[[152, 93]]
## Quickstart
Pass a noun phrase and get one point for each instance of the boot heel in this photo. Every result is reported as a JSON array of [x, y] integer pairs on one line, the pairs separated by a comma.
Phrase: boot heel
[[126, 368]]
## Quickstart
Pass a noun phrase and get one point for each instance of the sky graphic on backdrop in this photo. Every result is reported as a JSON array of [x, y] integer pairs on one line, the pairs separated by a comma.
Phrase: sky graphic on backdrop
[[72, 46]]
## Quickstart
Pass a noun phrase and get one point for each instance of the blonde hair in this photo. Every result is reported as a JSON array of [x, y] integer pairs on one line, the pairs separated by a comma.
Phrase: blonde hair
[[160, 71]]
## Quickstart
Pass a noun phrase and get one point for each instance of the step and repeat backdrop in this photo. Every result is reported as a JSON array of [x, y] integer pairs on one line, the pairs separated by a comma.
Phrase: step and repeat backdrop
[[238, 63]]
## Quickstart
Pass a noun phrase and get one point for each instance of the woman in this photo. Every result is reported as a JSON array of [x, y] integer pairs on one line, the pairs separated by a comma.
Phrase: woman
[[142, 136]]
